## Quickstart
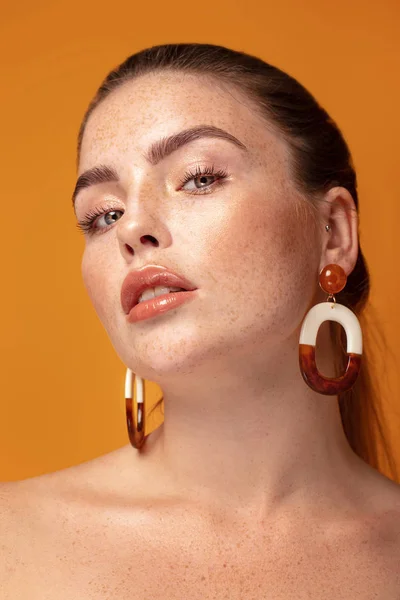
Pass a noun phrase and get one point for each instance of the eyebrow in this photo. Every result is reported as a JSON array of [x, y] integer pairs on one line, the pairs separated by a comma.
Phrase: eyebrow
[[157, 152]]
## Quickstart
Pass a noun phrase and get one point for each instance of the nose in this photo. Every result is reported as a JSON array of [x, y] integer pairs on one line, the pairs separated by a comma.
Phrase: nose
[[140, 232], [134, 243]]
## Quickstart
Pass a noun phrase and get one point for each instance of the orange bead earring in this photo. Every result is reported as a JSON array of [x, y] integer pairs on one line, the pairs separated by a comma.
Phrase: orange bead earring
[[332, 279]]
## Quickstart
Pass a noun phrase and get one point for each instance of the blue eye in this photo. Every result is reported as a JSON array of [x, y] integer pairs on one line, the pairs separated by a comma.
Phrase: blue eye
[[87, 224], [202, 174]]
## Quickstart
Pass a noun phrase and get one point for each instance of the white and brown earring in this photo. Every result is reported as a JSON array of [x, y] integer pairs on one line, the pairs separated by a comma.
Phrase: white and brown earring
[[332, 279], [136, 426]]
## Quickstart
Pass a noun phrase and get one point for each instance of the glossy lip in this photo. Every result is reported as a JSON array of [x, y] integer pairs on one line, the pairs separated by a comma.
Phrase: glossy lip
[[148, 277], [158, 305]]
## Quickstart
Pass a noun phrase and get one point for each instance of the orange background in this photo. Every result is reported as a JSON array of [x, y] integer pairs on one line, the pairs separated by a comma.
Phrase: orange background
[[62, 385]]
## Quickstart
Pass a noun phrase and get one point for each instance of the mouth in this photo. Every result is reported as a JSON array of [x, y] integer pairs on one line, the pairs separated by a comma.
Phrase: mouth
[[156, 305], [156, 292], [149, 283]]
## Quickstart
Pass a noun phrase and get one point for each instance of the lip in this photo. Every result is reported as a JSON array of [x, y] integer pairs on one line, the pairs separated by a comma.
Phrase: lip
[[158, 305], [147, 277]]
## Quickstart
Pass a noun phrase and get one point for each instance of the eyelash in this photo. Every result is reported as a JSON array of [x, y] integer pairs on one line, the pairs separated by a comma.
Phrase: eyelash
[[86, 225]]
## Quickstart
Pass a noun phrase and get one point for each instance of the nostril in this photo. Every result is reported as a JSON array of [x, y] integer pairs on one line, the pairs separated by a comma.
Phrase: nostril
[[150, 238]]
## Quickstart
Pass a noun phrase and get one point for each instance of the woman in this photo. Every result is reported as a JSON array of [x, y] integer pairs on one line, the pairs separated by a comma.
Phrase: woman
[[212, 172]]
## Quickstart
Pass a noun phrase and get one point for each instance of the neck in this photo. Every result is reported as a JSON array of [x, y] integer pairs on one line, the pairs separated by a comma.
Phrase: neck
[[255, 436]]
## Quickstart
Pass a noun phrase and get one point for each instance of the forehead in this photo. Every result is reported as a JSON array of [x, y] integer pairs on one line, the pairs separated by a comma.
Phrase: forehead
[[156, 105]]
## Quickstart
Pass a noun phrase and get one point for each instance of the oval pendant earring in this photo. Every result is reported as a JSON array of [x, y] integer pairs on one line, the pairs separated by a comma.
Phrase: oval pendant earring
[[135, 430], [332, 279]]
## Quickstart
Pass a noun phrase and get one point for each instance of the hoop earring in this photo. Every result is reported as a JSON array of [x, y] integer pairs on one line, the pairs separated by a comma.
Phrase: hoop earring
[[135, 431], [332, 279]]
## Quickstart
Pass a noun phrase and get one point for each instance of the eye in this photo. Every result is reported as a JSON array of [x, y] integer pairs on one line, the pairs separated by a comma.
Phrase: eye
[[201, 178], [200, 181], [87, 225]]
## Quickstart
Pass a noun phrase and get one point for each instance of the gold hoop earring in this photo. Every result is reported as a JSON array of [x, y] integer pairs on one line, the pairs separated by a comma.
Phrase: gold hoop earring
[[332, 279], [136, 427]]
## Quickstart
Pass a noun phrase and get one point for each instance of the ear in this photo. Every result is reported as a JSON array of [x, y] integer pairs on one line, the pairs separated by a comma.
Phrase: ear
[[340, 243]]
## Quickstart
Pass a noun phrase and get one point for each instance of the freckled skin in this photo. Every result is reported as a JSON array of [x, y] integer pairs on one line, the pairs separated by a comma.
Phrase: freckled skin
[[249, 489], [242, 245], [227, 361]]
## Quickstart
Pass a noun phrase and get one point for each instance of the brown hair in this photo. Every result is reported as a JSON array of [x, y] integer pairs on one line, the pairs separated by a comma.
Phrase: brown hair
[[320, 160]]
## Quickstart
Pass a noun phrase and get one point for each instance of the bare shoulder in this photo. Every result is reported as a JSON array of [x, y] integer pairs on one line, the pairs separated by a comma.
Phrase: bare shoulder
[[54, 523], [18, 501], [382, 499], [14, 504], [13, 516], [44, 501], [32, 516]]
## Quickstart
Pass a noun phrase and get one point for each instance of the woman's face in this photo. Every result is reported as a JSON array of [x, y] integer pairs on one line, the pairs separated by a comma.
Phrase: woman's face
[[241, 239]]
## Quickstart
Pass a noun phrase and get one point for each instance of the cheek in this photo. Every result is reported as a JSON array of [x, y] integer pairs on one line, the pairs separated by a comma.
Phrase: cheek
[[265, 242], [266, 261], [97, 278]]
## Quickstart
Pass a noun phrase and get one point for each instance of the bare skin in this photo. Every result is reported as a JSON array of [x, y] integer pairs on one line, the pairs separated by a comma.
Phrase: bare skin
[[249, 489], [69, 534]]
